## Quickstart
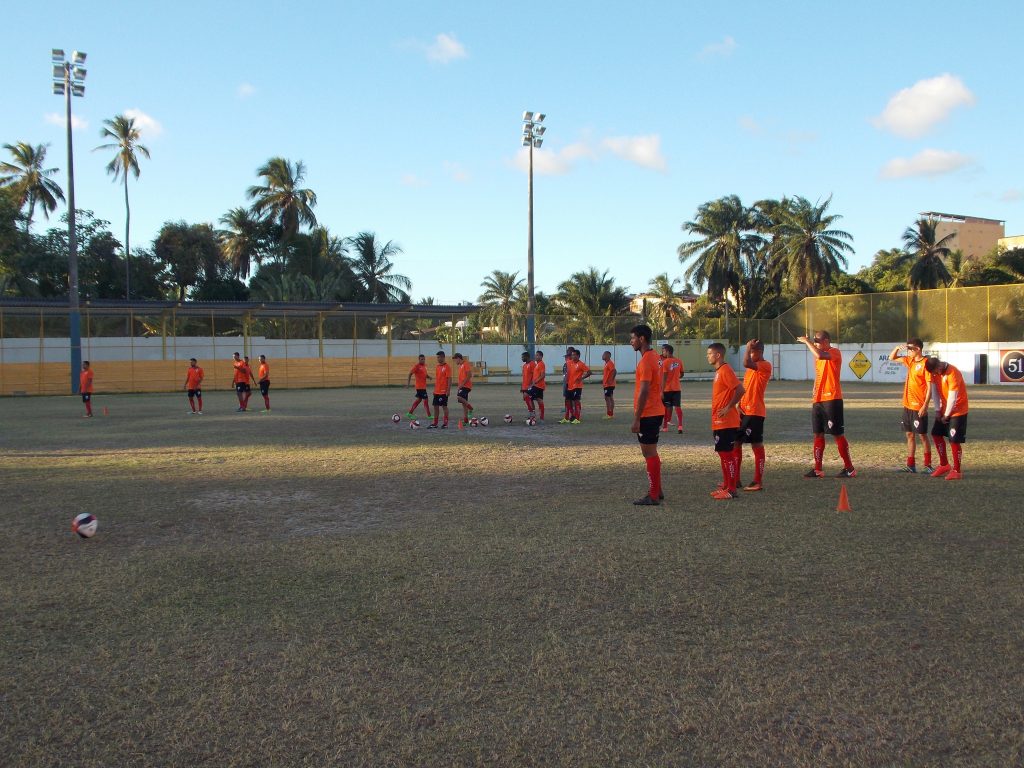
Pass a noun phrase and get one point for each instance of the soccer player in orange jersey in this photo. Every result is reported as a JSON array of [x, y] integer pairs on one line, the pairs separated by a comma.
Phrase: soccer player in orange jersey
[[752, 411], [540, 383], [827, 403], [465, 373], [608, 383], [240, 379], [647, 411], [917, 394], [576, 372], [194, 385], [526, 385], [726, 392], [419, 371], [671, 392], [950, 415], [264, 382], [442, 386], [85, 388]]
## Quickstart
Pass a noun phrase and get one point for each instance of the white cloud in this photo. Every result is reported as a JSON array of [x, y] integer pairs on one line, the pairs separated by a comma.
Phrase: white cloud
[[642, 150], [245, 90], [147, 125], [457, 172], [547, 162], [928, 162], [445, 48], [724, 47], [412, 180], [1012, 195], [914, 111], [55, 118]]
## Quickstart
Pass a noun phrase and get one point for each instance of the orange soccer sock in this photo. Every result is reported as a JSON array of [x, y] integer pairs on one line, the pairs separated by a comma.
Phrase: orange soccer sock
[[266, 401], [940, 448], [654, 476], [200, 403], [957, 451], [679, 417], [192, 403], [844, 450], [88, 407], [819, 451], [540, 405], [758, 463], [737, 454], [728, 460]]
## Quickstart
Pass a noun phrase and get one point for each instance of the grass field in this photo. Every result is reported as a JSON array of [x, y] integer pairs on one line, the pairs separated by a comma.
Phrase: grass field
[[318, 587]]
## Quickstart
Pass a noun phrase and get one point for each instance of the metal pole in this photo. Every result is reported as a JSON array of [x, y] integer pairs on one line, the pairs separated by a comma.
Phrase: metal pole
[[530, 307], [74, 316]]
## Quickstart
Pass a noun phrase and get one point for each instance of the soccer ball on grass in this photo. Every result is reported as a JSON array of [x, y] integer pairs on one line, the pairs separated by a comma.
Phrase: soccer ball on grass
[[85, 525]]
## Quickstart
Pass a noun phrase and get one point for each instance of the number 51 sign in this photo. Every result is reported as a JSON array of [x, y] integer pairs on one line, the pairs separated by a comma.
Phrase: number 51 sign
[[1011, 365]]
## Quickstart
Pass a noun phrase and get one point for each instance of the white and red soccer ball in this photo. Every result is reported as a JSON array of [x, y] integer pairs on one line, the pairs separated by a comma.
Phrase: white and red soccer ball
[[530, 421], [508, 418], [414, 424], [396, 418], [484, 421], [85, 525]]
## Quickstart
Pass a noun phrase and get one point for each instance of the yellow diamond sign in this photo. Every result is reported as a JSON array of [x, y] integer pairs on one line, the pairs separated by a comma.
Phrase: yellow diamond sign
[[860, 364]]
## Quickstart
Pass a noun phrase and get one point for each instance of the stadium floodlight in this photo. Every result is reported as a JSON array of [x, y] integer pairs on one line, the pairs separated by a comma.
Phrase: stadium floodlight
[[68, 81], [532, 132]]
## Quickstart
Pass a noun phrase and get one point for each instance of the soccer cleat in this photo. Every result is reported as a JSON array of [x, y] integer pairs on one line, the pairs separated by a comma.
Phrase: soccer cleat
[[665, 428], [680, 430], [607, 418], [199, 412], [431, 426], [907, 468], [564, 421], [575, 421], [646, 501], [722, 494], [408, 415], [814, 473], [954, 475], [928, 469], [942, 469], [847, 472], [753, 487]]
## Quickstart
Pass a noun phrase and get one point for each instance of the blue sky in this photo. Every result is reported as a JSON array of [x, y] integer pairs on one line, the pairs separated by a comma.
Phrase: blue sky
[[408, 118]]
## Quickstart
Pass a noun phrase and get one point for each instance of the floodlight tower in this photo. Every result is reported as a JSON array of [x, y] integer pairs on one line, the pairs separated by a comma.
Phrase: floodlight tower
[[533, 131], [68, 81]]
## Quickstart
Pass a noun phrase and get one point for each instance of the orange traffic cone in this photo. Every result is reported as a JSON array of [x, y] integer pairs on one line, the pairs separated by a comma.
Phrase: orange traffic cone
[[844, 500]]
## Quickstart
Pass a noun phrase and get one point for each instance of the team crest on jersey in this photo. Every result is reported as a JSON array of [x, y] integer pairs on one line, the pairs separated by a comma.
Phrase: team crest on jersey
[[716, 439], [917, 423], [830, 424], [952, 432]]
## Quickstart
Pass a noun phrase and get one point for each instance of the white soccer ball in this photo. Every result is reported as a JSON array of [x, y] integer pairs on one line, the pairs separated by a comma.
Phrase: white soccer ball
[[508, 418], [396, 418], [484, 421], [414, 424], [85, 525], [530, 421], [474, 422]]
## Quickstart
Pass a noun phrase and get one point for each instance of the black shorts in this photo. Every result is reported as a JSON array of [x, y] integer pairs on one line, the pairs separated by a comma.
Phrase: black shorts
[[421, 394], [955, 430], [536, 393], [914, 423], [264, 386], [86, 397], [464, 392], [240, 387], [195, 393], [650, 426], [609, 391], [441, 400], [751, 429], [827, 416], [725, 440], [574, 394], [672, 399]]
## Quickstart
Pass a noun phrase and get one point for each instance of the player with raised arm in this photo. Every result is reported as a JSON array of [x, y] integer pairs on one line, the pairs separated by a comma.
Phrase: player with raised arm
[[419, 372], [827, 403], [917, 394], [194, 385], [753, 411]]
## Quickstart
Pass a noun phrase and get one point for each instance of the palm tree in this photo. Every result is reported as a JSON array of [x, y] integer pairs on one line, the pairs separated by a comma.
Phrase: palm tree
[[726, 247], [127, 148], [587, 298], [665, 307], [242, 241], [811, 251], [281, 199], [499, 298], [372, 267], [30, 182], [920, 243]]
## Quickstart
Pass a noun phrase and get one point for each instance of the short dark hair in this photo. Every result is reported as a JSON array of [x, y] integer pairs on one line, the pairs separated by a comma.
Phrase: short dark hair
[[440, 353], [540, 353], [758, 345], [642, 332], [824, 334], [526, 355], [192, 360], [718, 346], [457, 355], [932, 364], [915, 343], [670, 348]]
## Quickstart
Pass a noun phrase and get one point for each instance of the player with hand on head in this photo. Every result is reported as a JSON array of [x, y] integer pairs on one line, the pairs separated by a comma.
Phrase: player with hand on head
[[608, 383], [577, 371], [194, 385], [752, 411], [726, 392], [526, 383], [419, 371], [951, 408], [827, 403], [917, 394], [647, 411]]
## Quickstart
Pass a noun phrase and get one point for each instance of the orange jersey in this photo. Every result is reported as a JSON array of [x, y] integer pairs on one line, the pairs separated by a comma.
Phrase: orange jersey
[[419, 375], [264, 374], [647, 369], [465, 375], [241, 372], [194, 378], [442, 379], [608, 377], [826, 377], [755, 381], [85, 382], [672, 368], [576, 369], [722, 392], [528, 368], [539, 371], [951, 381], [915, 390]]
